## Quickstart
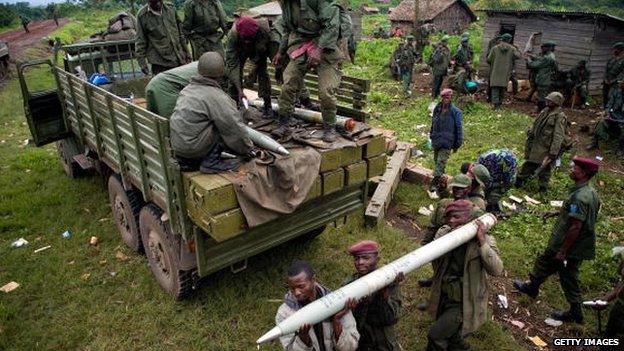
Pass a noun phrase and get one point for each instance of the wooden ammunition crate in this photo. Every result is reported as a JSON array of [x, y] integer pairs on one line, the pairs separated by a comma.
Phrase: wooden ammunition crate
[[211, 193], [355, 173], [333, 181], [376, 165]]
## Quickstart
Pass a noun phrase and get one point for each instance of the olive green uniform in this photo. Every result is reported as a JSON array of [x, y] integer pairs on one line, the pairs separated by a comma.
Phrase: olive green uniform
[[459, 295], [544, 67], [237, 53], [205, 23], [614, 126], [579, 79], [375, 318], [464, 54], [545, 138], [405, 57], [583, 205], [439, 61], [501, 59], [613, 72], [159, 39], [319, 22]]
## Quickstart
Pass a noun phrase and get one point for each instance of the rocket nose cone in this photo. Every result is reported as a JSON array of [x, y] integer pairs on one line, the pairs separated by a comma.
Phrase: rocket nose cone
[[282, 150], [270, 335]]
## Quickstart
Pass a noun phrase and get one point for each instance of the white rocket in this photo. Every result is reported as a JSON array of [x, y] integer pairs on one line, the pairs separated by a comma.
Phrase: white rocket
[[330, 304]]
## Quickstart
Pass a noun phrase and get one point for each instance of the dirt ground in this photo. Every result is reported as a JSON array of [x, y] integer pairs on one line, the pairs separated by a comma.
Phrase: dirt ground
[[19, 40]]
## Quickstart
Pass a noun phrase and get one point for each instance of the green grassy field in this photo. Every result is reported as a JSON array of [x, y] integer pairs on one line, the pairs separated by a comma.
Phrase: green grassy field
[[77, 296]]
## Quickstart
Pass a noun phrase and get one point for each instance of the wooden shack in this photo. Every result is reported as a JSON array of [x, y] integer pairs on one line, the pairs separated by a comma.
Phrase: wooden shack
[[578, 35], [452, 16]]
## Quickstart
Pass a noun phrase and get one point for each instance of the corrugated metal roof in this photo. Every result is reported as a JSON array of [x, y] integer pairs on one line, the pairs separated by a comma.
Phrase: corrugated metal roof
[[547, 12]]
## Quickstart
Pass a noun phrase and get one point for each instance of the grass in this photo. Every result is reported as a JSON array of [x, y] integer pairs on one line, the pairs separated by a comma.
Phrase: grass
[[120, 306], [83, 24]]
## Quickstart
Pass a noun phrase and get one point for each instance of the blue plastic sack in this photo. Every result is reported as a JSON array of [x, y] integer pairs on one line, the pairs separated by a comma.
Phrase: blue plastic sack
[[99, 79]]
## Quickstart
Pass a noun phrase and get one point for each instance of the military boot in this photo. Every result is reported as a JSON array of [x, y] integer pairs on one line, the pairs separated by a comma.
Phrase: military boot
[[329, 133], [283, 126], [529, 288], [575, 314], [267, 110], [308, 104], [435, 182], [592, 146]]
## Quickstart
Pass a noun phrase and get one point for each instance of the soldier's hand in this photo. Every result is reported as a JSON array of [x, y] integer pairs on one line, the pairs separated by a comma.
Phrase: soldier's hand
[[314, 57], [481, 232], [304, 334], [277, 59], [349, 305]]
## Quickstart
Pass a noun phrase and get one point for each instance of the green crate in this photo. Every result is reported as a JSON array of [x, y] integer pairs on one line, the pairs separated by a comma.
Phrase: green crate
[[332, 181], [376, 146], [355, 173], [376, 165], [210, 193]]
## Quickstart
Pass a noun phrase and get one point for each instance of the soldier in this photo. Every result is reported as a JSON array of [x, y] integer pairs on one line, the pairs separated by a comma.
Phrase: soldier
[[460, 81], [616, 315], [612, 125], [439, 62], [459, 295], [464, 52], [25, 22], [156, 21], [55, 15], [446, 135], [405, 58], [205, 116], [205, 23], [377, 314], [338, 332], [249, 39], [613, 71], [544, 67], [578, 82], [546, 141], [492, 43], [480, 181], [572, 241], [501, 60], [312, 34]]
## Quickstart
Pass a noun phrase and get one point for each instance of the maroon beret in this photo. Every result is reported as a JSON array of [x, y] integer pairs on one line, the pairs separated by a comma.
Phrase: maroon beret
[[247, 27], [587, 164], [364, 247]]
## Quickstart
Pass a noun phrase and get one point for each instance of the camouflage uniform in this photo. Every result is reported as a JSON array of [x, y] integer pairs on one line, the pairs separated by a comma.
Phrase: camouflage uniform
[[544, 67], [612, 127], [464, 54], [545, 138], [439, 61], [579, 79], [25, 22], [613, 72], [405, 57], [318, 22], [237, 53], [205, 23], [583, 204], [375, 318], [159, 39]]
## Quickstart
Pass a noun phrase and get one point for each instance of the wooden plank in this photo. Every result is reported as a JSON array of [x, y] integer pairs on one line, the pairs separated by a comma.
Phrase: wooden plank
[[120, 154], [81, 133], [420, 175], [137, 145], [376, 209]]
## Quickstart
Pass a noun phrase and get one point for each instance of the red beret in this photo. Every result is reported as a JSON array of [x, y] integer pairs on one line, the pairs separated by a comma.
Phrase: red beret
[[588, 165], [364, 247], [247, 27]]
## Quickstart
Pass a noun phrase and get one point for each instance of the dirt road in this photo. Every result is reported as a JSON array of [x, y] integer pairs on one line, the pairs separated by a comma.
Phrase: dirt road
[[19, 41]]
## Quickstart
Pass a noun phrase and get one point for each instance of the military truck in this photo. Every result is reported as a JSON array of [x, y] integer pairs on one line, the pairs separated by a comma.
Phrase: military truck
[[188, 224]]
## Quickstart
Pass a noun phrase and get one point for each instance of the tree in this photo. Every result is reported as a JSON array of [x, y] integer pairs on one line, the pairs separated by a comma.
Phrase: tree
[[7, 15]]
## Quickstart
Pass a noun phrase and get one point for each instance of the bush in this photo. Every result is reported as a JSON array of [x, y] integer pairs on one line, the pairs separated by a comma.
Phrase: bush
[[7, 15]]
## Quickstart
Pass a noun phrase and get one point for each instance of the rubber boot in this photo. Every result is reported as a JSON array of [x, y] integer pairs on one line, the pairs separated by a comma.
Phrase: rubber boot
[[528, 288], [267, 110], [329, 133], [574, 314]]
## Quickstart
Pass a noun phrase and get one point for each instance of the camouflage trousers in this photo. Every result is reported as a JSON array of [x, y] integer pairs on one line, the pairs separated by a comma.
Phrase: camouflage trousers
[[528, 169], [329, 76], [201, 46], [406, 76], [445, 332], [606, 130], [440, 157], [498, 95], [546, 265]]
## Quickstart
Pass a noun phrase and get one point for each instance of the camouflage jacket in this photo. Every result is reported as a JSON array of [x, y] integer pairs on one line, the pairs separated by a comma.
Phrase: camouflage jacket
[[236, 52], [305, 20], [159, 38], [204, 20], [614, 69], [544, 67], [615, 106], [440, 60], [463, 55], [405, 56]]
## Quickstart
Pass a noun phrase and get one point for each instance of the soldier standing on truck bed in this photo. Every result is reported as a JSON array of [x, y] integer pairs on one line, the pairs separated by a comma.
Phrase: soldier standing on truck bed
[[205, 24], [313, 33], [159, 38], [203, 118], [250, 39]]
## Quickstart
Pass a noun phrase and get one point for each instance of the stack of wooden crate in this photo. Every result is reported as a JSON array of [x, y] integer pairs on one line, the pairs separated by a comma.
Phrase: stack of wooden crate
[[212, 204]]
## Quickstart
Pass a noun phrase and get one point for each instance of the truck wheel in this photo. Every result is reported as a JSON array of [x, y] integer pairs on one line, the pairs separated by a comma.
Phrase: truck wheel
[[125, 205], [66, 149], [161, 254]]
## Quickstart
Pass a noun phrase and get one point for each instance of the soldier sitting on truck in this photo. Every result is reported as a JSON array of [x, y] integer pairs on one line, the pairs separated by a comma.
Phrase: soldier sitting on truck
[[205, 117]]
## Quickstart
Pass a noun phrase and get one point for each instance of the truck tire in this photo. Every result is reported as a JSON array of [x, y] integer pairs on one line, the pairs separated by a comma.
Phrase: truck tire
[[126, 206], [160, 250], [66, 149]]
